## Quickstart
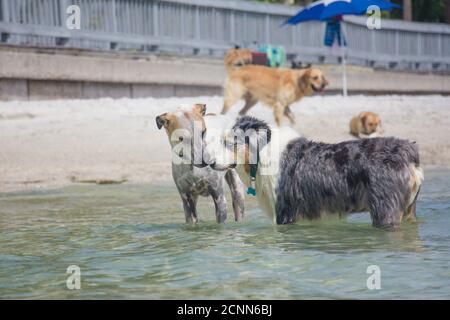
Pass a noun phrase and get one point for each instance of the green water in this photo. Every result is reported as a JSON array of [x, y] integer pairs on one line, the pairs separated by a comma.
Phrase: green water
[[131, 242]]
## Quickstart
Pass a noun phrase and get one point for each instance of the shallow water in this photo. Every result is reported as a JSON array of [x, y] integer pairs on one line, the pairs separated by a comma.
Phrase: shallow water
[[131, 242]]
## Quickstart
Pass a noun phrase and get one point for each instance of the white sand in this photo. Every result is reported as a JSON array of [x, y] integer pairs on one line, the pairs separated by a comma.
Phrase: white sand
[[46, 144]]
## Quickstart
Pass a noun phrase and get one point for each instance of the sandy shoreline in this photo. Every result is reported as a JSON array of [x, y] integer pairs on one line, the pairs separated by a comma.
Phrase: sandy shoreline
[[49, 144]]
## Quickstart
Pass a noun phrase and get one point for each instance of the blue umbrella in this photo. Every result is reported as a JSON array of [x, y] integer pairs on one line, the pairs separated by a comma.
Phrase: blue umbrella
[[327, 9]]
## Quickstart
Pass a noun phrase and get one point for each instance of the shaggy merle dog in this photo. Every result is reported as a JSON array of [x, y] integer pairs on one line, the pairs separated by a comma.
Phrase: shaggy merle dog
[[379, 175]]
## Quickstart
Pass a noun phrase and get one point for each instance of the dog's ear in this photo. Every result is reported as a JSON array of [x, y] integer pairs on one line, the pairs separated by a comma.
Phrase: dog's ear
[[364, 120], [259, 127], [200, 109], [162, 121], [303, 79]]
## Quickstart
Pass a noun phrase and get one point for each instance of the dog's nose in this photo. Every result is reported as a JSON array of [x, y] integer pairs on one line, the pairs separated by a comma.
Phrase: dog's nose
[[159, 122], [200, 165], [217, 167]]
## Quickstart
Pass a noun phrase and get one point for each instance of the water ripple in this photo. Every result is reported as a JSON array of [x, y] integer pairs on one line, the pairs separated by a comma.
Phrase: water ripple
[[132, 242]]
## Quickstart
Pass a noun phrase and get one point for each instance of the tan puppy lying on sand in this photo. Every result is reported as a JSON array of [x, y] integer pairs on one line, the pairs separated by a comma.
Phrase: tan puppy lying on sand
[[366, 125], [275, 87]]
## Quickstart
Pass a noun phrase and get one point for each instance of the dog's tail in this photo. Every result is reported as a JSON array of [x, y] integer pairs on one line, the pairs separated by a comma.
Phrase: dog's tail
[[411, 153], [417, 177]]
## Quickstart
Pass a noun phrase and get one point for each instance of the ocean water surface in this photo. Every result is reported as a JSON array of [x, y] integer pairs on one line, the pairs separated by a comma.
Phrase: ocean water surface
[[131, 242]]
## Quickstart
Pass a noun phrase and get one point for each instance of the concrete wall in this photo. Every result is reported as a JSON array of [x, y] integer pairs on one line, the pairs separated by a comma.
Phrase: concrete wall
[[17, 89], [27, 73]]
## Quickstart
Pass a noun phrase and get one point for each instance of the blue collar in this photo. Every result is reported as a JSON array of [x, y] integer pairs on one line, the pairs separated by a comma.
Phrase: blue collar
[[253, 169]]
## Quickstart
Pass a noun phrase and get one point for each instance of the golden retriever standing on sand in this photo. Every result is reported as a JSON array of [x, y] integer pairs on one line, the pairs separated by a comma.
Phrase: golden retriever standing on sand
[[276, 87]]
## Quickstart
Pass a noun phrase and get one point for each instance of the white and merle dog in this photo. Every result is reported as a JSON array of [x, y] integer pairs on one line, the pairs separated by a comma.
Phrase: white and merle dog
[[192, 181], [380, 175]]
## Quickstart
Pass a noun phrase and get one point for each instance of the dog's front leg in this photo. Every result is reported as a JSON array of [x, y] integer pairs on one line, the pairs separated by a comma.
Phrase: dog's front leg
[[220, 203], [237, 194], [288, 113], [384, 215], [249, 103], [190, 208], [278, 113]]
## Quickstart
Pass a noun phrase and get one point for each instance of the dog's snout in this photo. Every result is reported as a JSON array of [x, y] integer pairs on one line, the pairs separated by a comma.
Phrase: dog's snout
[[200, 165], [207, 159], [217, 167]]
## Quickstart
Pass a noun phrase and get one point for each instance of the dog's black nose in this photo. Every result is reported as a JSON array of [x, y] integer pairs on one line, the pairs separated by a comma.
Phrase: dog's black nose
[[200, 165], [217, 167], [159, 122]]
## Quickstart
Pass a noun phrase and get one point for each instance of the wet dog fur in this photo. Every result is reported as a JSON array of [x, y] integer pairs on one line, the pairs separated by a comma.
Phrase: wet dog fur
[[379, 175], [193, 181]]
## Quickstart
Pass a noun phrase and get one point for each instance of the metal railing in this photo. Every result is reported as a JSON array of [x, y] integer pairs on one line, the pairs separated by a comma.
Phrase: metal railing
[[208, 27]]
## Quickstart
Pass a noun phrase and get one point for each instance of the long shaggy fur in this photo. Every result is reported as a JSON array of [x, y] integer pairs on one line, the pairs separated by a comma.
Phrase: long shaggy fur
[[246, 123], [377, 175]]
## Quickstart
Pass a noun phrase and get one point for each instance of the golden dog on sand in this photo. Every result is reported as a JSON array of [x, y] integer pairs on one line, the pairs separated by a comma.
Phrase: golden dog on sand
[[275, 87]]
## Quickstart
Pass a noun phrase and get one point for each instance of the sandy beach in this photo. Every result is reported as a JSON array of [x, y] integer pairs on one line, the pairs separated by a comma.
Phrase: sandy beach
[[50, 144]]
